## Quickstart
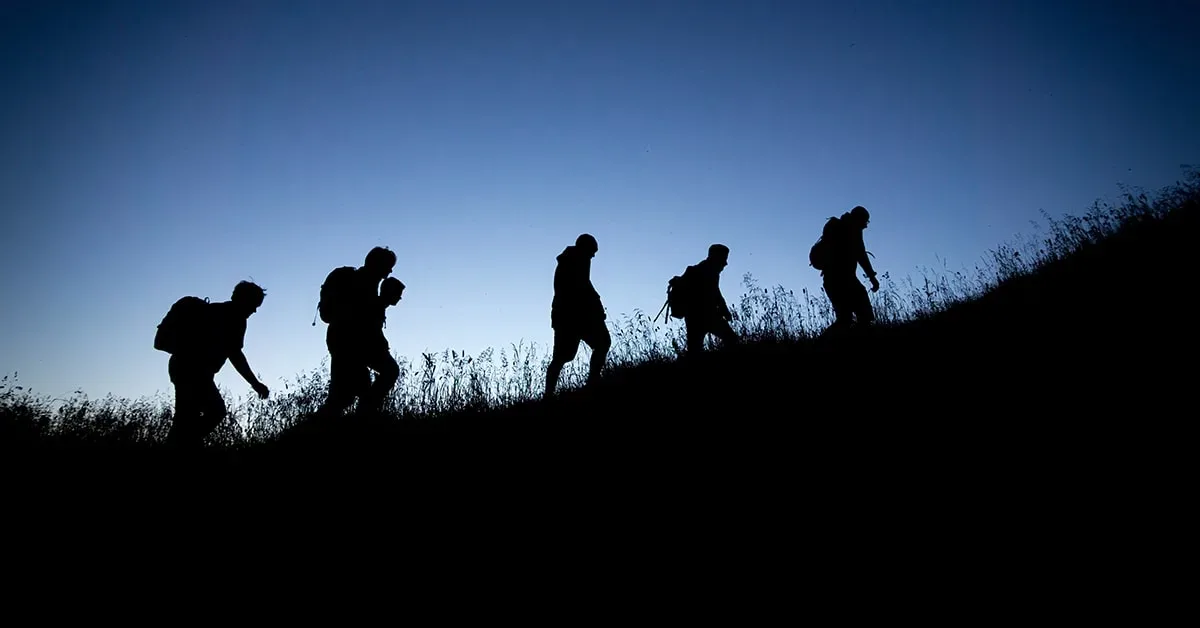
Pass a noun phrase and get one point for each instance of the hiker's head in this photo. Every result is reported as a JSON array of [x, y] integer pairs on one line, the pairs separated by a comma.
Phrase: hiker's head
[[586, 243], [391, 290], [248, 296], [380, 262], [719, 253], [860, 216]]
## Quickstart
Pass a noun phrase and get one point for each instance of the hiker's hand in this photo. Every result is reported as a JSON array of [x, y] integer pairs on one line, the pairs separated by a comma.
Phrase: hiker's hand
[[261, 389], [874, 284]]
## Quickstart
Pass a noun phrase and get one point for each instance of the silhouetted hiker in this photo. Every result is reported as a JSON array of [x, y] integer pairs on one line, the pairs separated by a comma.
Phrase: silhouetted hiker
[[201, 336], [576, 313], [837, 254], [354, 310], [695, 296], [377, 354]]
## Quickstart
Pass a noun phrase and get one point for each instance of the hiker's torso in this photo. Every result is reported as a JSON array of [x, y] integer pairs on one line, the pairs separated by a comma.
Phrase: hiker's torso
[[224, 334], [573, 289], [377, 320], [377, 315], [365, 333], [706, 286], [847, 250], [362, 303]]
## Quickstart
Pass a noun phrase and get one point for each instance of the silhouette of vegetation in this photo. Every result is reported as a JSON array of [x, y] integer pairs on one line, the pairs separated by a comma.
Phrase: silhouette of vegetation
[[1038, 329]]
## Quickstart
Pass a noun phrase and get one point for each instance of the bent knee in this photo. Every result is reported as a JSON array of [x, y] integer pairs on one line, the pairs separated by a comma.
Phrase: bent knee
[[389, 369]]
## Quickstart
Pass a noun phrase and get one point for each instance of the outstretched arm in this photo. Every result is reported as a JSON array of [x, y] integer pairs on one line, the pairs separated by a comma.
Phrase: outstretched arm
[[238, 360], [719, 299], [860, 255], [864, 260]]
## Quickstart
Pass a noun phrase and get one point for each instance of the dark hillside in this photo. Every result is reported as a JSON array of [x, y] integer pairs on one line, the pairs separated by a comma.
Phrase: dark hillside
[[1099, 330], [1058, 383], [1023, 445]]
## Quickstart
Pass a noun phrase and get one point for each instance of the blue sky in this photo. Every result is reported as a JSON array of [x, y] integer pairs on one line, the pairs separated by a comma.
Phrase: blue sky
[[154, 149]]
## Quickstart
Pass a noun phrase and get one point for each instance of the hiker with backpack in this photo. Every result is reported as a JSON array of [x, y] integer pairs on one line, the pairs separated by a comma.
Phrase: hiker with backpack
[[350, 304], [695, 296], [576, 313], [201, 336], [837, 254]]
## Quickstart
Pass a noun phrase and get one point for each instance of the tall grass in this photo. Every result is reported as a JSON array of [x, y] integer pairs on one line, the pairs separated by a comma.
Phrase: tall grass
[[449, 381]]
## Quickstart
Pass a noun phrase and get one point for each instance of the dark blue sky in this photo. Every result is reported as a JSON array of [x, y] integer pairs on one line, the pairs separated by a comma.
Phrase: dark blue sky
[[158, 149]]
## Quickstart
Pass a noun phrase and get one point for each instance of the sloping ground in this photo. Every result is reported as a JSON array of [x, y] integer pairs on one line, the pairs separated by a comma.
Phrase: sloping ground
[[1028, 441], [1047, 369], [1051, 387]]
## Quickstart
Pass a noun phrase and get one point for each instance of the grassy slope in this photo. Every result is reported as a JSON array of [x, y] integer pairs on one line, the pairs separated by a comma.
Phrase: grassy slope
[[1044, 373], [1018, 447], [1092, 332]]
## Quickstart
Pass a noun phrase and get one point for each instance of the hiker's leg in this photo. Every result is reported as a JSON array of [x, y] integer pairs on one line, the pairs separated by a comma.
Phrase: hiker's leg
[[189, 404], [213, 407], [358, 380], [599, 340], [697, 329], [185, 417], [336, 392], [348, 379], [205, 412], [843, 308], [566, 345], [724, 332], [346, 372], [341, 388], [863, 312], [387, 371]]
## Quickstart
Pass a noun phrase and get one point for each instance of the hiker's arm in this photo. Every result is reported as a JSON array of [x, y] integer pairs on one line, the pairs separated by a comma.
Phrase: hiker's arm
[[594, 297], [864, 260], [720, 299], [567, 285], [238, 360], [866, 265]]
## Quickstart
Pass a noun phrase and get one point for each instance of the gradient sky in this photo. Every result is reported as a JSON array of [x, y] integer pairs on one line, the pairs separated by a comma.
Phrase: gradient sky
[[157, 149]]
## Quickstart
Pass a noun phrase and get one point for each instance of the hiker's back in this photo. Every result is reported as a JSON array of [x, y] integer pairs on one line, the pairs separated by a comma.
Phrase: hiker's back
[[185, 330], [572, 275], [340, 302], [376, 317], [696, 292], [575, 298], [833, 252], [681, 293]]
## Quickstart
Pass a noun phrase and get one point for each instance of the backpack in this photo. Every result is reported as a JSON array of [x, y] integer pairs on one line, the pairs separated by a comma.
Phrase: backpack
[[679, 295], [336, 295], [184, 326], [823, 250]]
